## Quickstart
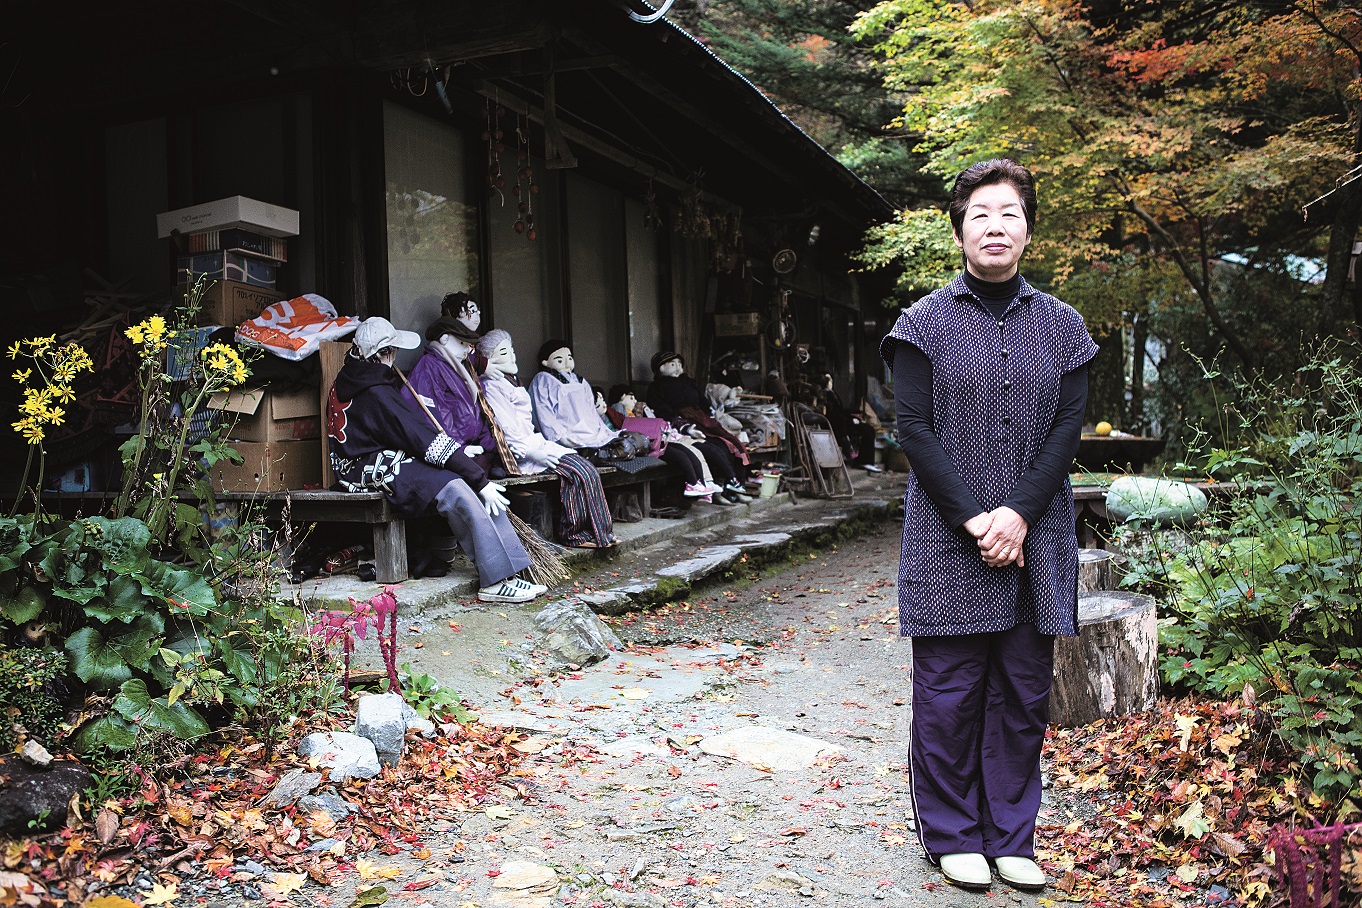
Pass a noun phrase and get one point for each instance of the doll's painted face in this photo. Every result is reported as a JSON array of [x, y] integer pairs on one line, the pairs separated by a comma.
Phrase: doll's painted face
[[628, 402], [560, 360], [502, 358], [459, 349], [470, 315], [671, 369]]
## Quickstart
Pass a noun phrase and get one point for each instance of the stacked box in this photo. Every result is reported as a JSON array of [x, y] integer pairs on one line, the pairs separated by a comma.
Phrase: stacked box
[[243, 242], [227, 266]]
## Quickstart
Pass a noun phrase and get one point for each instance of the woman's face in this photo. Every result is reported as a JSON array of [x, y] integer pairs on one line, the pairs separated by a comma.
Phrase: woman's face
[[560, 360], [671, 368], [502, 358], [993, 234]]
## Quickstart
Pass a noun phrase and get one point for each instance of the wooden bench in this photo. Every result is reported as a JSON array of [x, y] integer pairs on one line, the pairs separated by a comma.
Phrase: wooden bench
[[390, 529]]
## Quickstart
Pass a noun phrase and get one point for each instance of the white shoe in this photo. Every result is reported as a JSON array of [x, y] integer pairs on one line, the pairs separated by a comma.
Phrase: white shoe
[[969, 870], [696, 490], [508, 590], [1022, 873], [537, 589], [712, 488]]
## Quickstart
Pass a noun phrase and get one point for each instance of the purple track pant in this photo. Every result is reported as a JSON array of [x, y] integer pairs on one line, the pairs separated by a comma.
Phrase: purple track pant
[[980, 705]]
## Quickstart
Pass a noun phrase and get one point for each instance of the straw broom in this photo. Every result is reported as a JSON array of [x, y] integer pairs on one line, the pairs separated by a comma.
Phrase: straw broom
[[546, 560]]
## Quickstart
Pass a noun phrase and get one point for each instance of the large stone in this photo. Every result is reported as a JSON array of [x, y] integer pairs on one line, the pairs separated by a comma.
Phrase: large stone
[[381, 718], [36, 799], [1154, 503], [706, 562], [293, 786], [575, 633], [330, 803], [768, 748], [346, 755]]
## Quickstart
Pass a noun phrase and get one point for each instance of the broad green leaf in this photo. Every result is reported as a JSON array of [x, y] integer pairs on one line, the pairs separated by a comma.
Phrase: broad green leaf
[[136, 704], [24, 607], [95, 661], [111, 732], [186, 591], [122, 543], [15, 541], [122, 601]]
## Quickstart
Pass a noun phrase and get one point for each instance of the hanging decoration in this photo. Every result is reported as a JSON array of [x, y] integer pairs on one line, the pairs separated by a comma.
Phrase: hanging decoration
[[493, 135], [524, 222]]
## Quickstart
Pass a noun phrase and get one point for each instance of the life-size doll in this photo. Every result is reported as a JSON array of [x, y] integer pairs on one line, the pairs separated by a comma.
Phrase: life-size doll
[[677, 449], [584, 518], [566, 408], [445, 382], [677, 398], [382, 441], [464, 309]]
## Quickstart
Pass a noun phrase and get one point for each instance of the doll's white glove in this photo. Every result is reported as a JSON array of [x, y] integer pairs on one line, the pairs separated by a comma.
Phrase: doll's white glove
[[472, 450], [494, 499], [648, 412]]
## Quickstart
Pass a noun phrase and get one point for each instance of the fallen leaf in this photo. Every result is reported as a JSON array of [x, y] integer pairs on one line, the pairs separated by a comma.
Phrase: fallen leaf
[[793, 831], [106, 826], [162, 895], [370, 871], [1187, 873], [287, 883], [109, 901], [635, 693], [498, 812], [368, 897], [416, 885]]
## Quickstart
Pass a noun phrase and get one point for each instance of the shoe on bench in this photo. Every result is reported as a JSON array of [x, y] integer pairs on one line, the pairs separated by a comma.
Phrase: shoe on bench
[[508, 590], [968, 870]]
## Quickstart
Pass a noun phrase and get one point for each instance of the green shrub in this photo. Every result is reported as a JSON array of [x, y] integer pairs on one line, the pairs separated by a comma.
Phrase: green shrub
[[31, 692], [1268, 594]]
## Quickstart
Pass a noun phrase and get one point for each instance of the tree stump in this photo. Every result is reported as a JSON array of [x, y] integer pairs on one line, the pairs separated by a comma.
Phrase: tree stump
[[1099, 570], [1111, 667]]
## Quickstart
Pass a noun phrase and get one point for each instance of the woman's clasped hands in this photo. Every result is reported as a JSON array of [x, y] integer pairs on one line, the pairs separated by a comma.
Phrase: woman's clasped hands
[[1001, 534]]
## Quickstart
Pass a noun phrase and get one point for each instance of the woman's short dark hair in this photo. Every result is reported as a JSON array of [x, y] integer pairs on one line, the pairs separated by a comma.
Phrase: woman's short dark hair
[[998, 170]]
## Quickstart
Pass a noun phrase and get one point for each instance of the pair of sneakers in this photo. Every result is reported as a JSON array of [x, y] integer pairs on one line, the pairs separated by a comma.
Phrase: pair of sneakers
[[513, 590], [702, 489], [735, 492]]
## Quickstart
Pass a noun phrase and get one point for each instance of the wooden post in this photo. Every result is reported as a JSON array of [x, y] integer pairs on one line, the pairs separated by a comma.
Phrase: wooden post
[[1111, 667], [1099, 570]]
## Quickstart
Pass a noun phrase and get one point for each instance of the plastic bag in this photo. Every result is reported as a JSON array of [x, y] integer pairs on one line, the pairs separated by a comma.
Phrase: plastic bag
[[295, 329]]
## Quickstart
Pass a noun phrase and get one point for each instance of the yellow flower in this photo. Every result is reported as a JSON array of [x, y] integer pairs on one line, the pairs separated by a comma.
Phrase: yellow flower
[[134, 333], [35, 401], [55, 415], [156, 327], [218, 362], [21, 375], [239, 373], [41, 344], [63, 393], [14, 349], [30, 429]]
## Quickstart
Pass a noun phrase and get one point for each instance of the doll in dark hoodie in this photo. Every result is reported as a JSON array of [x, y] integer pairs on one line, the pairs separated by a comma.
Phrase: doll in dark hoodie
[[676, 397], [382, 441]]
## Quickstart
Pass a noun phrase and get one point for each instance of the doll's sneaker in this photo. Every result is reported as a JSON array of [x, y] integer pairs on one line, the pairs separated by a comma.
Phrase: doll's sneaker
[[508, 590], [538, 589], [697, 490], [712, 488]]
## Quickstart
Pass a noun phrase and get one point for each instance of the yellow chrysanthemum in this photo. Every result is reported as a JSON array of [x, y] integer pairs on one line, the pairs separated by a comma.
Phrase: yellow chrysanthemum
[[30, 429], [155, 327], [14, 349], [239, 373], [22, 375], [63, 393], [55, 415], [134, 333], [35, 401]]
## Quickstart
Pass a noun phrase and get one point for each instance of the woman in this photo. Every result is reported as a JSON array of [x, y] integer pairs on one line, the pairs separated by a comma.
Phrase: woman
[[991, 382], [381, 441], [584, 518]]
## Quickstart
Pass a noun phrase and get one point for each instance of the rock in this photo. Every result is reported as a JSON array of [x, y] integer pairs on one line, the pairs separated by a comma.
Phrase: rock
[[786, 879], [346, 755], [607, 602], [35, 754], [769, 748], [333, 805], [632, 899], [575, 633], [526, 875], [1155, 503], [634, 746], [379, 717], [706, 562], [293, 786], [38, 796]]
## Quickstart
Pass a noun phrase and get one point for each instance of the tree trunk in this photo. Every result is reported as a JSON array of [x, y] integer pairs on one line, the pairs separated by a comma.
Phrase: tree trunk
[[1110, 668], [1099, 570], [1106, 376]]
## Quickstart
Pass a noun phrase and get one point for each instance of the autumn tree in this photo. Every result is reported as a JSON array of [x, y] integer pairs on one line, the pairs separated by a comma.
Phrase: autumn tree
[[805, 58], [1175, 145]]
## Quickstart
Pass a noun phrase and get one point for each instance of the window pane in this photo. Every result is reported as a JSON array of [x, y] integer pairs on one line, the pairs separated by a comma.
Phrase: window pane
[[432, 218], [597, 283]]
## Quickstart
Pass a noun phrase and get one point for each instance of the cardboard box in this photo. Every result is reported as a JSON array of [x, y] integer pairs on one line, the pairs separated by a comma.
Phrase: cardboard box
[[232, 302], [264, 415], [227, 266], [237, 211], [737, 324], [270, 466]]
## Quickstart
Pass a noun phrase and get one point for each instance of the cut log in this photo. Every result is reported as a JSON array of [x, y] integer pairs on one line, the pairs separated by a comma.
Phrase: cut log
[[1100, 570], [1110, 668]]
